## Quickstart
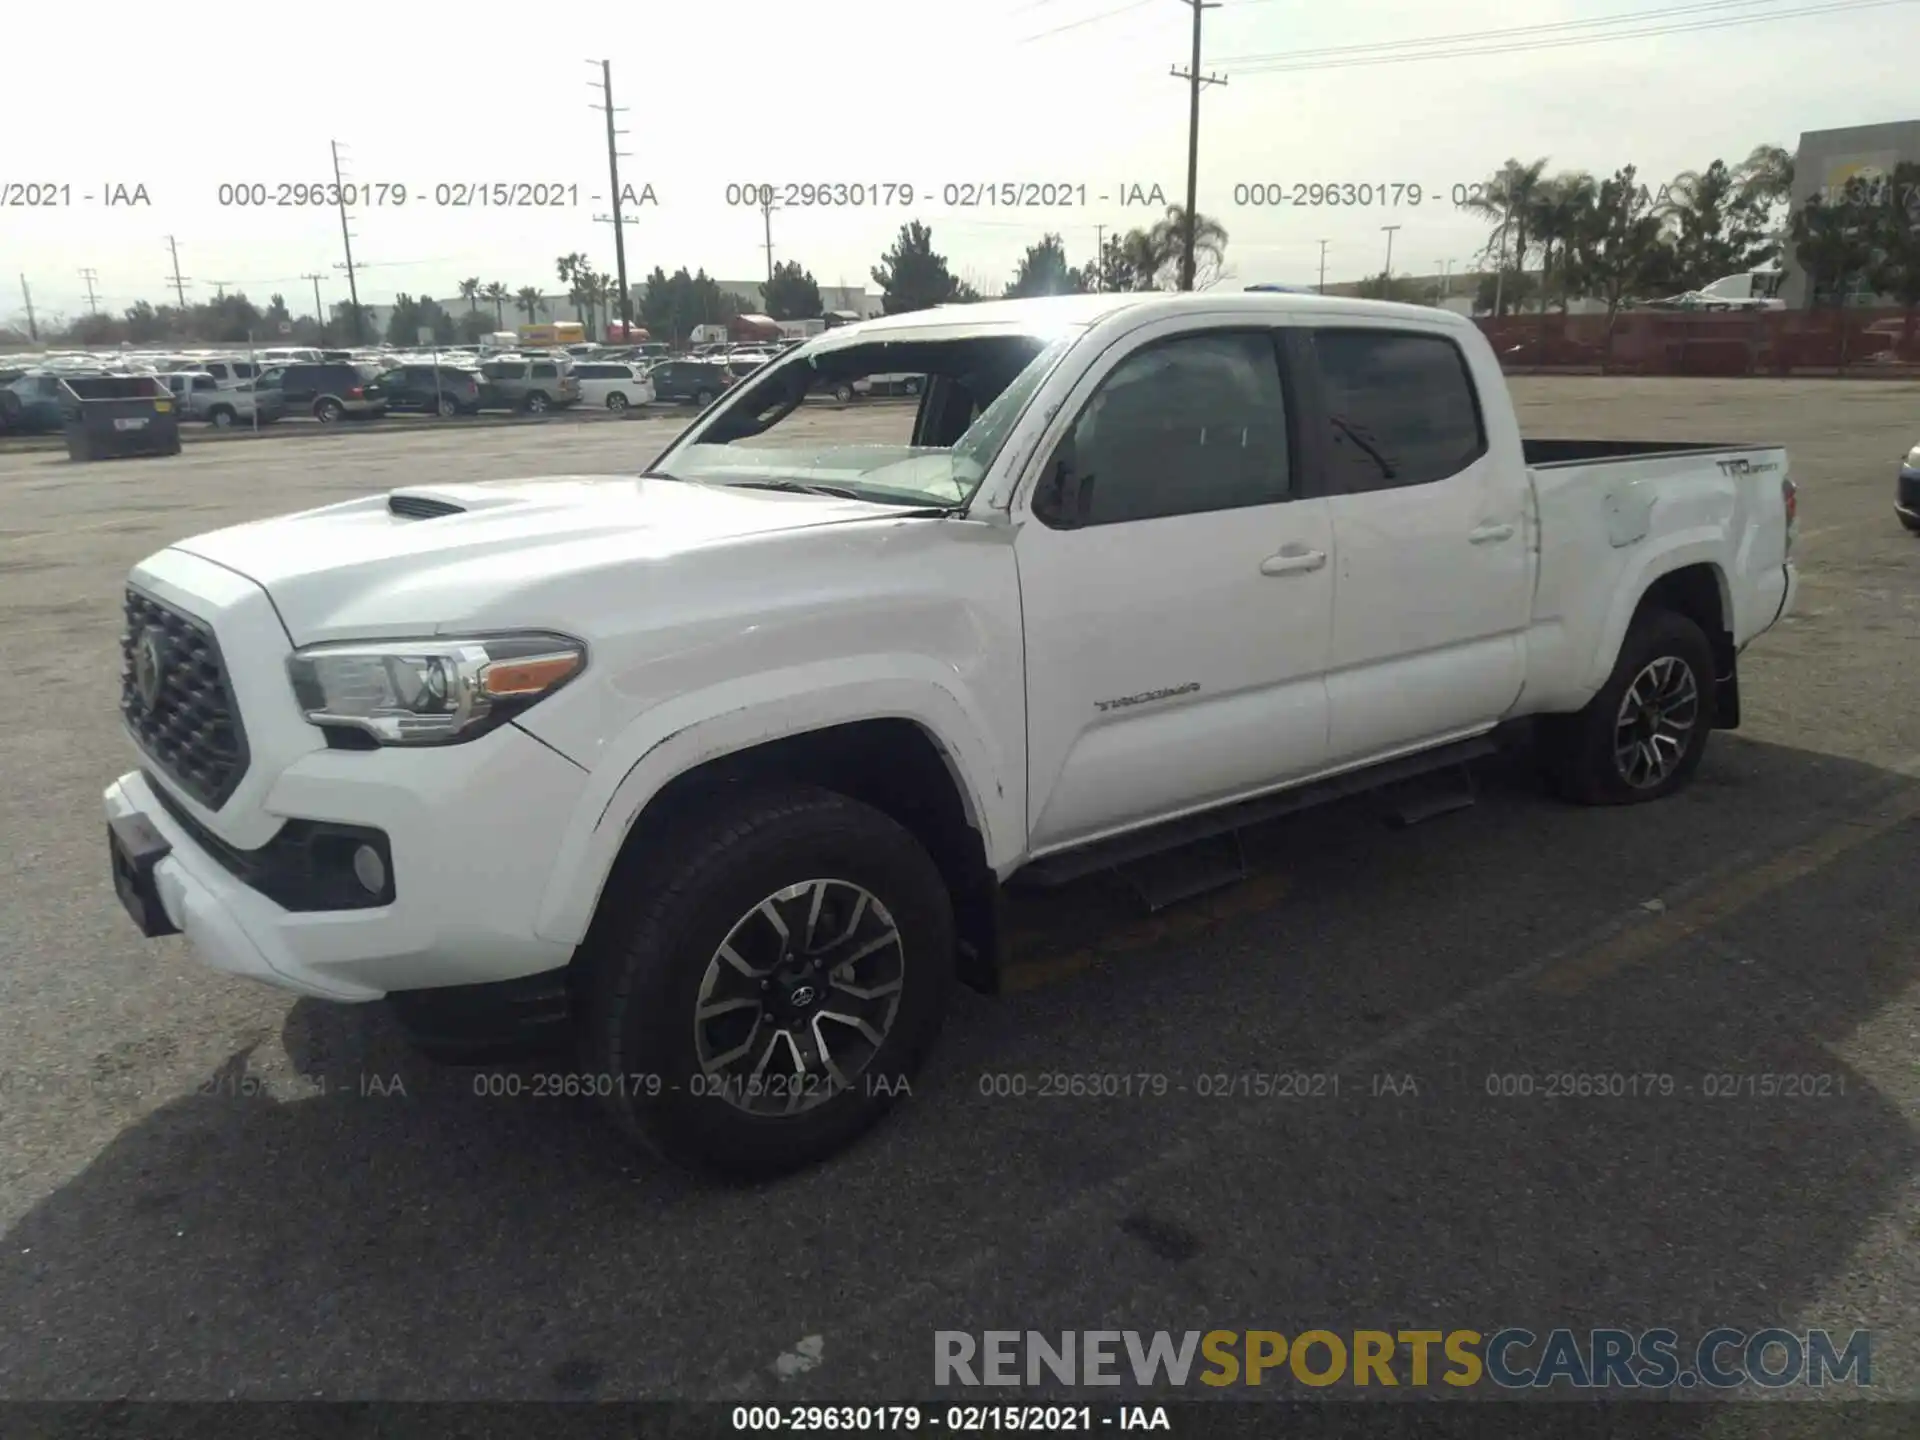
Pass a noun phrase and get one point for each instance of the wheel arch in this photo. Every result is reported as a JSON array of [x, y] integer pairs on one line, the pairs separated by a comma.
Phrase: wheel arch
[[1688, 578], [920, 760]]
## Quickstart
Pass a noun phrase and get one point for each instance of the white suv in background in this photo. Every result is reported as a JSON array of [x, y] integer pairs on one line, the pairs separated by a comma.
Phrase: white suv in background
[[613, 385]]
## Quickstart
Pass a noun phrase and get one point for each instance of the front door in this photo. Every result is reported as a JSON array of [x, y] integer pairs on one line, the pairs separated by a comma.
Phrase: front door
[[1433, 585], [1176, 588]]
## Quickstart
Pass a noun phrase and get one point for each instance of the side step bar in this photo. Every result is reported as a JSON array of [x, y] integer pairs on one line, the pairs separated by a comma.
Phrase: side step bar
[[1055, 870]]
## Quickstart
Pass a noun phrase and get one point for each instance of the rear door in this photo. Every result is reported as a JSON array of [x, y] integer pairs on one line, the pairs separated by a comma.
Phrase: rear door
[[1432, 588], [300, 384], [1175, 586]]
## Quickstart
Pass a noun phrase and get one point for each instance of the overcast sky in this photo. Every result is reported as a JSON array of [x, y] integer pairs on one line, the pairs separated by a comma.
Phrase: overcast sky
[[924, 95]]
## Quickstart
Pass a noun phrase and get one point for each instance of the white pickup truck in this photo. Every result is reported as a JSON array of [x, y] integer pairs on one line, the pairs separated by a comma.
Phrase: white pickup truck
[[718, 772]]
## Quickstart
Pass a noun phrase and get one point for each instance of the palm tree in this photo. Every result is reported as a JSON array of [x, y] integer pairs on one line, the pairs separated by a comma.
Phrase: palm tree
[[499, 295], [527, 298], [1766, 174], [1553, 221], [470, 292], [1507, 197], [1167, 242]]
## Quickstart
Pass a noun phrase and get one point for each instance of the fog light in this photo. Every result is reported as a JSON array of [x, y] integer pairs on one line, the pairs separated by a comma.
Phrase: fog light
[[369, 869]]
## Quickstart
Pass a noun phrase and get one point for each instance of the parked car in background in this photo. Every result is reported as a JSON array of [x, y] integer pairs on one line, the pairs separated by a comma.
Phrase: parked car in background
[[333, 390], [699, 381], [872, 385], [1906, 500], [202, 397], [532, 383], [432, 389], [225, 373], [611, 386], [35, 406]]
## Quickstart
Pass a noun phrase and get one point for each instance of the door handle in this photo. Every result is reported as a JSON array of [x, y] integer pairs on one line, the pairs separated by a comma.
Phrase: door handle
[[1293, 562], [1487, 534]]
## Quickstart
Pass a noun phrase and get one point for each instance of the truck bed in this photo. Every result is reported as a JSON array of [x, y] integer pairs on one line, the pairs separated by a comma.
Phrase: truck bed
[[1543, 453]]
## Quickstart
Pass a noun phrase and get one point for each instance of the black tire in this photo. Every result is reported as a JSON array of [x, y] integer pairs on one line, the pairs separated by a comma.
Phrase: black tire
[[911, 387], [616, 402], [328, 412], [702, 398], [538, 403], [645, 970], [221, 417], [1579, 753], [844, 393], [447, 407]]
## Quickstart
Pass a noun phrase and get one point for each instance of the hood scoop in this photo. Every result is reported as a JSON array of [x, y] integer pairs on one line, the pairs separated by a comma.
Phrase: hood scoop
[[421, 507]]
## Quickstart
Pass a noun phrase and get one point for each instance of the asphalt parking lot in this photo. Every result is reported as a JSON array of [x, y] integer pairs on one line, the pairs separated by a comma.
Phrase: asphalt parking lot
[[209, 1190]]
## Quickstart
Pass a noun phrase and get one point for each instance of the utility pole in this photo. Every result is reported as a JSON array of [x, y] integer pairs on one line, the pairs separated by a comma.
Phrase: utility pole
[[33, 327], [219, 288], [179, 285], [1099, 257], [90, 275], [1446, 278], [1386, 275], [766, 218], [1500, 265], [1194, 80], [1323, 267], [346, 239], [613, 175], [319, 315]]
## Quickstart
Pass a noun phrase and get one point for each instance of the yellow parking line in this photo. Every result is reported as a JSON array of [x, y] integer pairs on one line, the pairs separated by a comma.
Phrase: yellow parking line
[[1249, 896], [1704, 912]]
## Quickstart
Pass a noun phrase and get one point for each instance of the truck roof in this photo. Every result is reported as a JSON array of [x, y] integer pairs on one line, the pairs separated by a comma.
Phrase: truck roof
[[1053, 311]]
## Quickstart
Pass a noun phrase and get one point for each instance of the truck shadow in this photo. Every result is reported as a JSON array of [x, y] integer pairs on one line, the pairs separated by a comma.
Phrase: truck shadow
[[405, 1231]]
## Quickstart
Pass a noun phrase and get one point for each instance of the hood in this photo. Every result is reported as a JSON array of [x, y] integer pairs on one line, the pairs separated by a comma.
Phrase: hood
[[429, 556]]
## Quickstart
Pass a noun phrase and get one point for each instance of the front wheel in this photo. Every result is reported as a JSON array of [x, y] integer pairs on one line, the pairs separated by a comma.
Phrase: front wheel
[[1643, 736], [703, 398], [222, 418], [772, 985]]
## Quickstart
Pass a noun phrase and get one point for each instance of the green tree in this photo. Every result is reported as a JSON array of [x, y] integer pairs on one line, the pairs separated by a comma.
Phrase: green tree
[[499, 295], [470, 292], [1895, 267], [1719, 228], [1166, 247], [912, 275], [1507, 199], [791, 294], [527, 300], [1559, 211], [1402, 288], [1114, 270], [1044, 270], [1622, 250]]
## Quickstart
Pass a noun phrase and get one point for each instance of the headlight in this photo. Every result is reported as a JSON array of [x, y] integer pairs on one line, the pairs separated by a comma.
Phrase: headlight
[[1913, 458], [431, 692]]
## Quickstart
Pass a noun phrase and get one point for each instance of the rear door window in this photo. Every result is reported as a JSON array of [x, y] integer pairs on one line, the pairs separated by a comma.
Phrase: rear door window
[[1401, 409]]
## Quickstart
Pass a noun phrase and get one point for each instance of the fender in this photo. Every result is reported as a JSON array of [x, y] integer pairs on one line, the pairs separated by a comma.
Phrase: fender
[[689, 730], [1704, 544]]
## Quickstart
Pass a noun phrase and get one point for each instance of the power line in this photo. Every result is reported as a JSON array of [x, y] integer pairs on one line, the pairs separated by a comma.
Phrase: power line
[[1646, 33], [1195, 80], [1666, 12], [1104, 15]]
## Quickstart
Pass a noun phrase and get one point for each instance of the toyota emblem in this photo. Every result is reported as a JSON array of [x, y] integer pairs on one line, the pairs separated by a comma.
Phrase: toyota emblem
[[149, 661], [802, 995]]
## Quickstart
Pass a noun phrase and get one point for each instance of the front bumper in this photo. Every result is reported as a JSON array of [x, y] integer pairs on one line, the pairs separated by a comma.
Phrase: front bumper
[[472, 831]]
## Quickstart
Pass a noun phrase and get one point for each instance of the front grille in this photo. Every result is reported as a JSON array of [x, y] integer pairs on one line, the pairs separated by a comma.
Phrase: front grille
[[178, 701]]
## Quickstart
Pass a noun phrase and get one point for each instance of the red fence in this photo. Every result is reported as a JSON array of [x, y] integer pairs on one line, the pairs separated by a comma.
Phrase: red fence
[[1665, 342]]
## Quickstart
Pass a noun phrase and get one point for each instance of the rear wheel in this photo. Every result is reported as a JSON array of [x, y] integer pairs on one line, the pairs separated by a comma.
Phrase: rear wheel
[[538, 403], [843, 392], [1643, 736], [448, 407], [221, 417], [772, 985], [703, 398], [328, 412], [616, 402]]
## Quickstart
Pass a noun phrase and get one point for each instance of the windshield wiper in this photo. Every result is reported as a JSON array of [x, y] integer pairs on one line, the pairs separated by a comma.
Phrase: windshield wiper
[[838, 492], [1347, 429]]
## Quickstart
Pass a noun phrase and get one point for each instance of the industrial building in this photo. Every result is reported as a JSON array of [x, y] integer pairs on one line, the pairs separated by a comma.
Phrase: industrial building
[[1827, 159]]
